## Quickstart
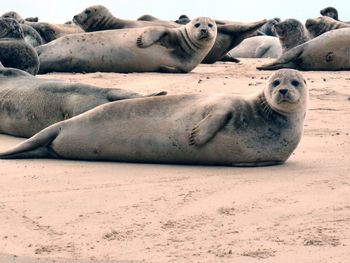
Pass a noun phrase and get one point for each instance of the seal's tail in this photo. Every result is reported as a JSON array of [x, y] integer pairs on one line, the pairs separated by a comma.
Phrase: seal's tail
[[36, 146]]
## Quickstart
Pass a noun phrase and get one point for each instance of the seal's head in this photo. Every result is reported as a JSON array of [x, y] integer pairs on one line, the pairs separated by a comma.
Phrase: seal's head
[[10, 28], [286, 91], [13, 15], [330, 12], [320, 25], [202, 31], [90, 19], [289, 28]]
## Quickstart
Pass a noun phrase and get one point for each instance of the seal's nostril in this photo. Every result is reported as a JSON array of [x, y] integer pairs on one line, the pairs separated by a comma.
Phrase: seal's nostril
[[283, 91]]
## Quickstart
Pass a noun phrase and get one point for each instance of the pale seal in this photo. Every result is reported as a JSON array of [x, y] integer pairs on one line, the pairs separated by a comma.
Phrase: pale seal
[[257, 47], [291, 33], [323, 24], [216, 129], [229, 36], [29, 104], [330, 51], [14, 51], [173, 50], [98, 17]]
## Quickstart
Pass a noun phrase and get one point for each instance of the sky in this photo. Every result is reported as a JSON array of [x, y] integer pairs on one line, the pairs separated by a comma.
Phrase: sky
[[59, 11]]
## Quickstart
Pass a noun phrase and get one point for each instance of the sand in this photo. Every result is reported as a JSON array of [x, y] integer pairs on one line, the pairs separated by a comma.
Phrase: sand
[[103, 211]]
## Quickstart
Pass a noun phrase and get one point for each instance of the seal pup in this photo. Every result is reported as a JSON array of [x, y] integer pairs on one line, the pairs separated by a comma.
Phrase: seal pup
[[330, 51], [98, 17], [257, 47], [291, 33], [230, 35], [150, 49], [14, 51], [323, 24], [220, 129], [29, 104]]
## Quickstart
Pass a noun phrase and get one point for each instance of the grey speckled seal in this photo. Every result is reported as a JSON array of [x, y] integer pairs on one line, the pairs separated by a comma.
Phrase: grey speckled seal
[[329, 51], [172, 50], [14, 51], [263, 129], [29, 104]]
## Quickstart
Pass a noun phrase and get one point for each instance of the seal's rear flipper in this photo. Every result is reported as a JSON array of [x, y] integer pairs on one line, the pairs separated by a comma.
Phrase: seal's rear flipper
[[37, 146], [160, 93]]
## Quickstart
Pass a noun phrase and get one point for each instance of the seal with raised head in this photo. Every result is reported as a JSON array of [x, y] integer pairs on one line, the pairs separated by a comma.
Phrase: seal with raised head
[[257, 47], [173, 50], [219, 129], [323, 24], [330, 51], [98, 17], [14, 51], [291, 33], [267, 28], [229, 36], [330, 12], [183, 20], [29, 104]]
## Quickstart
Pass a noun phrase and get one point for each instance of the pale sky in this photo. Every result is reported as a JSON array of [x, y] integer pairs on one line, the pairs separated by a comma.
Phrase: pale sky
[[60, 11]]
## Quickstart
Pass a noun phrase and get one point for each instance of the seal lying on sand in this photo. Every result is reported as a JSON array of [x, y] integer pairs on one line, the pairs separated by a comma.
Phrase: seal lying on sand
[[329, 51], [98, 17], [291, 33], [147, 49], [194, 129], [323, 24], [257, 47], [14, 51], [29, 104]]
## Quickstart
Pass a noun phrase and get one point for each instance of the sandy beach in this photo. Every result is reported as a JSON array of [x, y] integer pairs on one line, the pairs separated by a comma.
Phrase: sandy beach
[[62, 211]]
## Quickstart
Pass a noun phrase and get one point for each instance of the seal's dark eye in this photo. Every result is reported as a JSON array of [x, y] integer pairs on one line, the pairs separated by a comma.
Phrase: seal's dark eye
[[276, 83], [210, 25], [88, 12], [197, 25], [295, 83]]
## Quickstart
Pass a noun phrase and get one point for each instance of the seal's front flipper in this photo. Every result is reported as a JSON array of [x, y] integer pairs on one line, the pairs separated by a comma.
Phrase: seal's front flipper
[[150, 36], [167, 69], [289, 59], [207, 128], [37, 146]]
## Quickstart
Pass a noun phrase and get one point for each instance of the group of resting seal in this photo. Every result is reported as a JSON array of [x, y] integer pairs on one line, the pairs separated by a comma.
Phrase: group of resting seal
[[263, 129]]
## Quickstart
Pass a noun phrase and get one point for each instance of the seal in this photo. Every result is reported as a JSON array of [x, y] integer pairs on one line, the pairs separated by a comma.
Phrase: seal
[[49, 32], [323, 24], [267, 28], [148, 17], [150, 49], [29, 104], [98, 17], [257, 47], [330, 51], [14, 51], [219, 129], [291, 33], [229, 36], [14, 15], [330, 12], [183, 20]]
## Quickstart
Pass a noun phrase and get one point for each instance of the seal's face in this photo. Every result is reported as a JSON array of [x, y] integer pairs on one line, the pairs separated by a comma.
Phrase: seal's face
[[91, 17], [330, 12], [286, 91], [288, 27], [202, 30], [318, 26], [10, 28]]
